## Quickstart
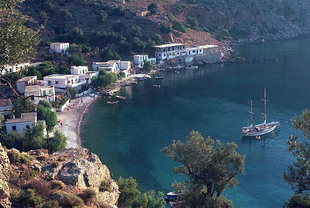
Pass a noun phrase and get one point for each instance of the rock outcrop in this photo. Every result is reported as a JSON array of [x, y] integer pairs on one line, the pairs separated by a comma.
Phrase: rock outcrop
[[74, 170]]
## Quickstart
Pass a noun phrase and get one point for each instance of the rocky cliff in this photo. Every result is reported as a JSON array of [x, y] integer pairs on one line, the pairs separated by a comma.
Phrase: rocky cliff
[[69, 178]]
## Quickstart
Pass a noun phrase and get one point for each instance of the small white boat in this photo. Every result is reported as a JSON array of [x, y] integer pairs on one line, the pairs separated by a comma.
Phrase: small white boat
[[191, 67], [120, 97], [158, 86], [259, 129], [112, 102]]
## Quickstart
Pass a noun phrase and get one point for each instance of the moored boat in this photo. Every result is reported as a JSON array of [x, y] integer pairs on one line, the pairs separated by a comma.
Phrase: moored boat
[[158, 86], [259, 129], [159, 78], [120, 97], [112, 102]]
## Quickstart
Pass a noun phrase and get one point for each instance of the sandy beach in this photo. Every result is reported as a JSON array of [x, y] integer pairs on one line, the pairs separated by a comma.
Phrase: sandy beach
[[71, 119]]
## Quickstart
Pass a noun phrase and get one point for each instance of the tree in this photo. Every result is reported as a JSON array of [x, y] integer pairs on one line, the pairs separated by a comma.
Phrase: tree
[[129, 191], [297, 175], [34, 137], [150, 199], [147, 66], [152, 8], [17, 42], [46, 113], [104, 79], [178, 26], [57, 142], [76, 60], [109, 54], [210, 166], [298, 201], [23, 105], [75, 49], [192, 22]]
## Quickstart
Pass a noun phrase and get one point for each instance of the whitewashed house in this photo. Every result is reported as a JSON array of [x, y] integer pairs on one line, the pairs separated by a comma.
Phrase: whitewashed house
[[14, 68], [25, 81], [169, 51], [83, 73], [140, 59], [6, 106], [110, 66], [63, 81], [59, 47], [26, 121], [37, 93]]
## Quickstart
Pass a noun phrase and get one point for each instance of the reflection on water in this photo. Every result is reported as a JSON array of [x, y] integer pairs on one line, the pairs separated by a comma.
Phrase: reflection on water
[[213, 100]]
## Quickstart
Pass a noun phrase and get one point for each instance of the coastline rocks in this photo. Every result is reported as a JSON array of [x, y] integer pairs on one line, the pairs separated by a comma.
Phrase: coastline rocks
[[74, 169]]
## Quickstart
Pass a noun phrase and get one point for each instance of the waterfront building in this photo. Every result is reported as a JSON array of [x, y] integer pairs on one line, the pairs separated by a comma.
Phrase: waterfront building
[[64, 81], [59, 47], [115, 66], [169, 51], [14, 68], [6, 106], [26, 81], [26, 121], [37, 93], [140, 59], [83, 73]]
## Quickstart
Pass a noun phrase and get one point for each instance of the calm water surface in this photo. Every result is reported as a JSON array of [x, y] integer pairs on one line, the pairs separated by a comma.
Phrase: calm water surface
[[213, 100]]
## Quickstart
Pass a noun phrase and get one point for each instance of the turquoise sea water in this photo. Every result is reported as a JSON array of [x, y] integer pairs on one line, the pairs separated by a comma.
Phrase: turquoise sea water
[[213, 100]]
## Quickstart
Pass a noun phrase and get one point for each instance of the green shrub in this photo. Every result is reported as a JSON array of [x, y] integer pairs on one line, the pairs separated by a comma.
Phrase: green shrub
[[152, 8], [165, 29], [16, 157], [178, 26], [66, 199], [29, 198], [103, 204]]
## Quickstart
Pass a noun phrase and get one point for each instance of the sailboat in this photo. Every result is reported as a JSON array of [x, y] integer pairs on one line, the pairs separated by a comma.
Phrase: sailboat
[[259, 129]]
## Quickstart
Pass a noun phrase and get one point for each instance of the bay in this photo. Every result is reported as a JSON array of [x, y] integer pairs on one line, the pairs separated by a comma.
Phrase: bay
[[213, 100]]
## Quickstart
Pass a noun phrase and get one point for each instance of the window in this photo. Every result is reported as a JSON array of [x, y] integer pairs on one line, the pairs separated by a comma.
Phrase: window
[[27, 126], [44, 93], [49, 82], [14, 128], [68, 81], [56, 82]]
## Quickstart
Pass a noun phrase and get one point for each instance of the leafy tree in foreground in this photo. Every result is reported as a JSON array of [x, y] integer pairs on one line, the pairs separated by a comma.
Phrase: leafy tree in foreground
[[23, 105], [147, 66], [104, 79], [131, 197], [17, 42], [57, 142], [297, 175], [46, 113], [211, 167]]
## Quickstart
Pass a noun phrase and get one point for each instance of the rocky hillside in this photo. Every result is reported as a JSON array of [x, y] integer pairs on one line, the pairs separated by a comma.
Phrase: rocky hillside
[[69, 178], [118, 23]]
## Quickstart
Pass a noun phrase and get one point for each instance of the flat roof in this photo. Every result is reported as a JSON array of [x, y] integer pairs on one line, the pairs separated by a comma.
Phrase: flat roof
[[169, 45], [24, 117], [25, 79], [61, 76], [32, 88], [58, 43]]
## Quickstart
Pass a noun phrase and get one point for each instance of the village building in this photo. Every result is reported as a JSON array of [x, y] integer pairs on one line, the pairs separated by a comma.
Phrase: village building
[[83, 73], [26, 81], [115, 66], [59, 47], [14, 68], [26, 121], [37, 93], [169, 51], [6, 106], [139, 60], [63, 81]]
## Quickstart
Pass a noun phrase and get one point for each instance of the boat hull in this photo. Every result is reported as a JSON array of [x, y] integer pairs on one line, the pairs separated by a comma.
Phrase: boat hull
[[260, 129]]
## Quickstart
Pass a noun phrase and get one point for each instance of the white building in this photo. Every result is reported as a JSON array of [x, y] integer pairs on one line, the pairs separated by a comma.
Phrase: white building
[[115, 66], [25, 121], [110, 66], [63, 81], [6, 106], [14, 68], [169, 51], [59, 47], [25, 81], [37, 93], [140, 59], [83, 73]]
